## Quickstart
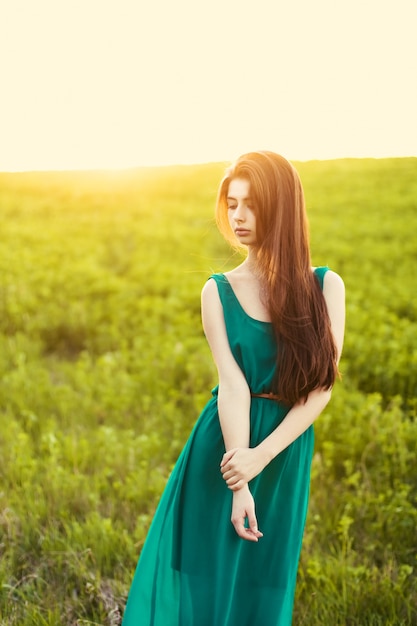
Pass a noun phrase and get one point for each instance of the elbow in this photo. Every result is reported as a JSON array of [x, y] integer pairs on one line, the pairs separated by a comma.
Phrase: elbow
[[327, 394], [323, 397], [320, 397], [234, 389]]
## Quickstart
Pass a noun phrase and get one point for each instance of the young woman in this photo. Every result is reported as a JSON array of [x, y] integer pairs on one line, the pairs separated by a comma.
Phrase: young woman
[[275, 328]]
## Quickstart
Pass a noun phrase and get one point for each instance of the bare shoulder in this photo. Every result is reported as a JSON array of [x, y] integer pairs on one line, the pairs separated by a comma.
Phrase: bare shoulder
[[209, 292], [334, 295], [333, 284], [210, 301]]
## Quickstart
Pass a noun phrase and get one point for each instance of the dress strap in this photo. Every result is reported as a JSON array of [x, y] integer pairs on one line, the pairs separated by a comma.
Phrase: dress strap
[[222, 284], [219, 278], [222, 281], [319, 273]]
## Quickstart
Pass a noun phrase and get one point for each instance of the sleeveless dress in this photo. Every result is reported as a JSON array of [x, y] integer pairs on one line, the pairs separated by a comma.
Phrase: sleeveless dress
[[193, 569]]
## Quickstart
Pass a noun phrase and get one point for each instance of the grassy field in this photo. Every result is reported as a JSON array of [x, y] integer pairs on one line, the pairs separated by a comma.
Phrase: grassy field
[[104, 369]]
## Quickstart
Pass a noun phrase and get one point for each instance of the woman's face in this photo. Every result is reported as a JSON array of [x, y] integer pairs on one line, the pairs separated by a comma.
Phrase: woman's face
[[241, 212]]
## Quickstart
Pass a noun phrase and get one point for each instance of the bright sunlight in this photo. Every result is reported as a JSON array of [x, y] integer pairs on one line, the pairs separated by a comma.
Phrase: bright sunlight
[[113, 84]]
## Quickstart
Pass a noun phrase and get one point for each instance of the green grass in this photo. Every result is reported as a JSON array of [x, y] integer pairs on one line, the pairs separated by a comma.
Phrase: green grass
[[104, 369]]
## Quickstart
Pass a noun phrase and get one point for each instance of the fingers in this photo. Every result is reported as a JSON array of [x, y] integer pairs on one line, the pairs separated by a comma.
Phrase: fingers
[[231, 475], [236, 486], [243, 532], [249, 534], [244, 508], [253, 524], [228, 467], [234, 482], [233, 478], [227, 456], [237, 467]]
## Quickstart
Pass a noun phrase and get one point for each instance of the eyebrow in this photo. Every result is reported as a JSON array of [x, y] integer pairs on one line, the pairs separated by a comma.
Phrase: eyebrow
[[248, 199]]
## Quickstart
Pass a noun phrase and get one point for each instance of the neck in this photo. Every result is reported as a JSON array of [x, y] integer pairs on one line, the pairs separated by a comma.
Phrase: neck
[[251, 261]]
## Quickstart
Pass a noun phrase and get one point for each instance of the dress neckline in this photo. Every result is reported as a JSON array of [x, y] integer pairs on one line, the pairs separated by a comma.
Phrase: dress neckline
[[317, 270], [241, 307]]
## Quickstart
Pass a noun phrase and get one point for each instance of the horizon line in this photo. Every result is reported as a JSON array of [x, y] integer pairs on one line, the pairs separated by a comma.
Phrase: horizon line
[[172, 164]]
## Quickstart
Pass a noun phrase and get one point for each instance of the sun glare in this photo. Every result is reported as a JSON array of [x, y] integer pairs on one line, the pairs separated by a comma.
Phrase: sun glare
[[116, 84]]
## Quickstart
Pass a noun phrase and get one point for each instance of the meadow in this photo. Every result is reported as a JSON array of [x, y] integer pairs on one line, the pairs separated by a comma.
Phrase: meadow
[[104, 369]]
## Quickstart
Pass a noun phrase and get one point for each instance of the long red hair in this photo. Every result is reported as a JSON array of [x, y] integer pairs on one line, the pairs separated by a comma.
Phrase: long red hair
[[307, 356]]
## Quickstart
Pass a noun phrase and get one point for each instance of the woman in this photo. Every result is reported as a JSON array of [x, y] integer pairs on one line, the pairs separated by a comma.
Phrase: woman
[[275, 328]]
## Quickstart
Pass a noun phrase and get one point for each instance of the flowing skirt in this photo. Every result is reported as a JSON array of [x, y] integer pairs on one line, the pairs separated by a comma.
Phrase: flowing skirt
[[194, 570]]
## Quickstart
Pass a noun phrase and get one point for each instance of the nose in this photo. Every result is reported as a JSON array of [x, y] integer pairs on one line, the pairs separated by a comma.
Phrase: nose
[[239, 213]]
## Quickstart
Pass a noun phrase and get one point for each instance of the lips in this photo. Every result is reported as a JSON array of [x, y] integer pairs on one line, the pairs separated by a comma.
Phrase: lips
[[242, 231]]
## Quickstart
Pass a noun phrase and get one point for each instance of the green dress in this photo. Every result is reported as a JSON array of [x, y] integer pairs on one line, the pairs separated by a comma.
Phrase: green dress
[[194, 570]]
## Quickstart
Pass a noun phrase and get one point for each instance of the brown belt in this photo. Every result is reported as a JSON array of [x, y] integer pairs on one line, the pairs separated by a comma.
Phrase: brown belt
[[268, 396]]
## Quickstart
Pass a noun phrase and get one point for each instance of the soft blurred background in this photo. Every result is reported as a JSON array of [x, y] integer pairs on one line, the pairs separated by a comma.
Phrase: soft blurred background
[[134, 109]]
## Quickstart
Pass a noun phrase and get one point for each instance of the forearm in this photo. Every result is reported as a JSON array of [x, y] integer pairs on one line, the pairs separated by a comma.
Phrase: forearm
[[234, 409], [298, 419]]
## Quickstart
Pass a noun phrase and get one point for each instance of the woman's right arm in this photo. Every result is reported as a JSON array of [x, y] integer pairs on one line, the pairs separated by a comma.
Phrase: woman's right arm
[[234, 394], [233, 402]]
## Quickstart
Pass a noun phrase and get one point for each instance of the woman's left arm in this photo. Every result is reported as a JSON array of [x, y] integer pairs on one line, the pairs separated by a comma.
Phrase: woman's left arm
[[240, 465]]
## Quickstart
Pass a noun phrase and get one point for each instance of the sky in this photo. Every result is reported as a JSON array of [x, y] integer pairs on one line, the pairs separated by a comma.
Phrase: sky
[[122, 83]]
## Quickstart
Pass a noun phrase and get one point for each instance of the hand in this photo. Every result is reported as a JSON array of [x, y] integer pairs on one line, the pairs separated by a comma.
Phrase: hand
[[240, 465], [244, 507]]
